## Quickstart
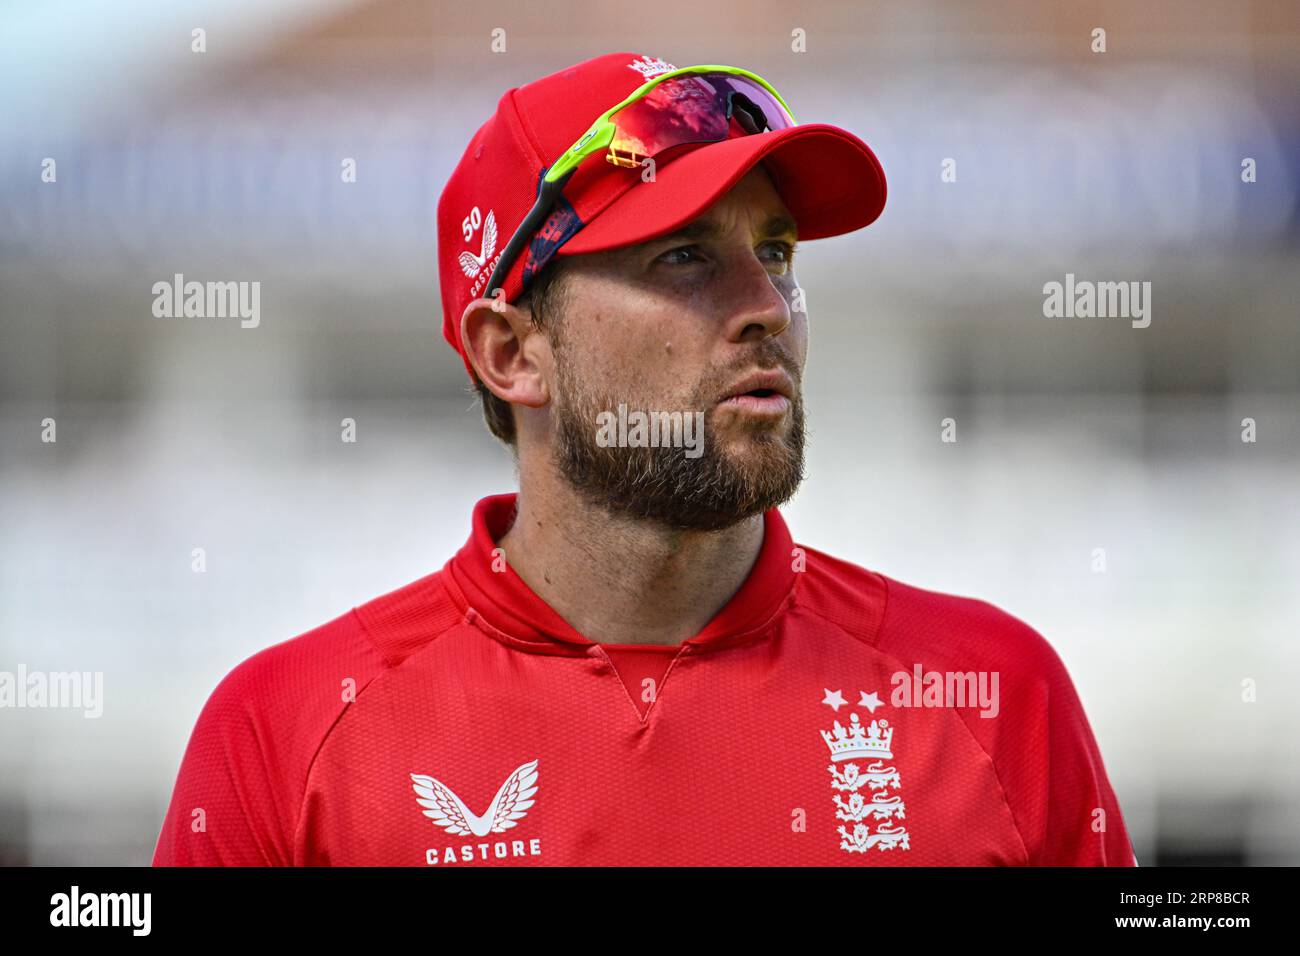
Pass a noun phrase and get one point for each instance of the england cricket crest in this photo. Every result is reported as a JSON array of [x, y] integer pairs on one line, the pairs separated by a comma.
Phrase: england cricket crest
[[866, 800]]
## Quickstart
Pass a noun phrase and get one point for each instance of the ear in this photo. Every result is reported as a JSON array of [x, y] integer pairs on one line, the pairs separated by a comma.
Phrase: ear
[[510, 356]]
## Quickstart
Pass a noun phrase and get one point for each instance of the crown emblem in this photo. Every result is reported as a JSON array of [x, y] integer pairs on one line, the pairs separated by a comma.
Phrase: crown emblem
[[648, 67], [869, 742]]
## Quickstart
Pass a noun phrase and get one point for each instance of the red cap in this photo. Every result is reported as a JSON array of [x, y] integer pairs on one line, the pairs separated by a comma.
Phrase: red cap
[[828, 178]]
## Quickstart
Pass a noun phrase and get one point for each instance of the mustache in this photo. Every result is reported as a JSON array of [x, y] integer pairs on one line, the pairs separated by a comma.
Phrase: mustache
[[766, 357], [576, 392]]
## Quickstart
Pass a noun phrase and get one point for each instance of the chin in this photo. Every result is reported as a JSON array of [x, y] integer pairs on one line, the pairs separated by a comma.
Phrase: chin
[[766, 443]]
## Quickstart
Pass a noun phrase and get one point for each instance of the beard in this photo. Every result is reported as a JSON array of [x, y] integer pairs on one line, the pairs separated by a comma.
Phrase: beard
[[759, 469]]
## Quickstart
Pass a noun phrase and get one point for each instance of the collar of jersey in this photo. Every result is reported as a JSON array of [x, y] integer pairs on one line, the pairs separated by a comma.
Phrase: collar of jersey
[[501, 604]]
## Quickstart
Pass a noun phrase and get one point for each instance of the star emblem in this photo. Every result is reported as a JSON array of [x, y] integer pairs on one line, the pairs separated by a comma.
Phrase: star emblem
[[870, 701], [834, 699]]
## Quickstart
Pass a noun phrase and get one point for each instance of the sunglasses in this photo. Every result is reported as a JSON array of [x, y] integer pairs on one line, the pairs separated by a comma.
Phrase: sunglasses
[[695, 104]]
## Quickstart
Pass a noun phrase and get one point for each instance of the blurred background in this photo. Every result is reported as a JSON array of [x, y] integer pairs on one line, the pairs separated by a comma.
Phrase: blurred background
[[1072, 434]]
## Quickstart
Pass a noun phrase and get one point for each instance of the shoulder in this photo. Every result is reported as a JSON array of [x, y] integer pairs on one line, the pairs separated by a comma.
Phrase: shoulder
[[918, 624], [250, 754], [967, 631], [289, 693], [299, 686]]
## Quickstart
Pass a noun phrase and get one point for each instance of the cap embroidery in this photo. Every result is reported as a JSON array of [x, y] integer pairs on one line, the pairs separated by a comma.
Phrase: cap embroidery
[[472, 264], [648, 67]]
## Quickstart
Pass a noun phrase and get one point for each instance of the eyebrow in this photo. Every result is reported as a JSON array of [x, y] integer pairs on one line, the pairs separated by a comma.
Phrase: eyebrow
[[777, 225]]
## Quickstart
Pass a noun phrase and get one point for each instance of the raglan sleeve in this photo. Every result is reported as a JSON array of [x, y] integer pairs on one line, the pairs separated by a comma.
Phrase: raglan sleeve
[[238, 798], [229, 806], [1083, 824], [1037, 736]]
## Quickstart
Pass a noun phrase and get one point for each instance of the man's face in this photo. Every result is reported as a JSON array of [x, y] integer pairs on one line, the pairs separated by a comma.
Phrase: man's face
[[702, 321]]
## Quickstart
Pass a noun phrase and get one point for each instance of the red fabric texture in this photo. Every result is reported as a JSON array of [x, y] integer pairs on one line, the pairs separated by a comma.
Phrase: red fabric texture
[[311, 751]]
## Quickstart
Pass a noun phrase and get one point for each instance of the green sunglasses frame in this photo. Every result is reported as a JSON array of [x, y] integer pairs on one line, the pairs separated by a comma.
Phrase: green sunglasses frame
[[597, 138]]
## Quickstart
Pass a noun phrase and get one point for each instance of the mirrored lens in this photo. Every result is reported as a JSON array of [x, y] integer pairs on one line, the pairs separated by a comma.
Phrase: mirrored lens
[[691, 109]]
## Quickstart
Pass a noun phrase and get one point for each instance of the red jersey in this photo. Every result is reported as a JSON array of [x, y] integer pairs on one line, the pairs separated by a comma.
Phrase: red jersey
[[827, 715]]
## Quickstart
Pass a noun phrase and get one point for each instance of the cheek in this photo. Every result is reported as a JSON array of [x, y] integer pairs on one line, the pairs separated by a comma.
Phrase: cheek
[[651, 348], [659, 370], [654, 359], [639, 366]]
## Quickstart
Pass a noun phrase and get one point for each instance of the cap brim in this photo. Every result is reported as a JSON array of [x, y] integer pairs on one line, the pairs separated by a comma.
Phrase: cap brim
[[829, 179]]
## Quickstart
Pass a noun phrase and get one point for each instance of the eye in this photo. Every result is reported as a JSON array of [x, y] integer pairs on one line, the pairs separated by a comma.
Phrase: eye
[[682, 255], [779, 251]]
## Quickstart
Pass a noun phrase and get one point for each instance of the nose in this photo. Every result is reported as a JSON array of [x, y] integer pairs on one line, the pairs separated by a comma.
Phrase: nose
[[754, 306]]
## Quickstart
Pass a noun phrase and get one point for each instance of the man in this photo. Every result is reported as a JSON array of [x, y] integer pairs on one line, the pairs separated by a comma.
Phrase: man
[[631, 662]]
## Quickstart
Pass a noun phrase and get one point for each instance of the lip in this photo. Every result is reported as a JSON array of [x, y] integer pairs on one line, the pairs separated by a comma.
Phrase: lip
[[776, 385], [771, 380], [774, 404]]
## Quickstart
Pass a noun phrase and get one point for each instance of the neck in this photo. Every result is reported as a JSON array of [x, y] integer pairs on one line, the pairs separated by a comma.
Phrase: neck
[[622, 581]]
